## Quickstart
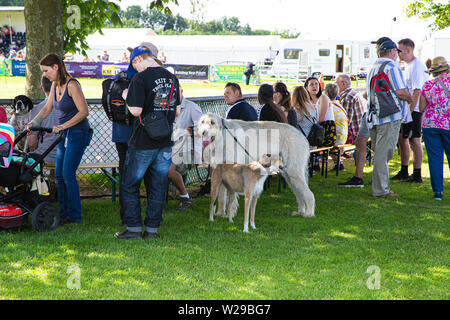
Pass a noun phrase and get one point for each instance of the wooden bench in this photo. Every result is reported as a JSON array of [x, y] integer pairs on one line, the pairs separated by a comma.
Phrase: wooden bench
[[314, 154], [113, 176], [341, 149]]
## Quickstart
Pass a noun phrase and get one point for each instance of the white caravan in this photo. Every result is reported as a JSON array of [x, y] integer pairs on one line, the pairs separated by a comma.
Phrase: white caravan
[[329, 57]]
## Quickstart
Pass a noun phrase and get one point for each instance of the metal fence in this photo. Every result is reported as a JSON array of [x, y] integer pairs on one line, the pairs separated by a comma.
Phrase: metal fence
[[102, 150]]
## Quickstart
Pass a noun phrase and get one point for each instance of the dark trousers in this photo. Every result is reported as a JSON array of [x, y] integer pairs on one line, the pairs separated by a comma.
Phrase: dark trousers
[[247, 78], [137, 164], [122, 148]]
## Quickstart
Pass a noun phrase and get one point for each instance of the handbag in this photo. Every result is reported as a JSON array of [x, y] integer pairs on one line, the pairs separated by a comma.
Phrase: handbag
[[316, 135], [156, 124]]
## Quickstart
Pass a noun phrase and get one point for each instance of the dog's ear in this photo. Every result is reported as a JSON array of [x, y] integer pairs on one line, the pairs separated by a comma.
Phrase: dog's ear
[[29, 103]]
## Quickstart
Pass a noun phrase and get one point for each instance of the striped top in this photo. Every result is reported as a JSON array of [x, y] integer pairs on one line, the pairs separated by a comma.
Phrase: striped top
[[395, 76], [6, 144]]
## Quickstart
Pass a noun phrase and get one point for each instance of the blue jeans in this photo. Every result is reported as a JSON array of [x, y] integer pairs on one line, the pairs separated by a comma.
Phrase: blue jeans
[[68, 157], [137, 162], [436, 142]]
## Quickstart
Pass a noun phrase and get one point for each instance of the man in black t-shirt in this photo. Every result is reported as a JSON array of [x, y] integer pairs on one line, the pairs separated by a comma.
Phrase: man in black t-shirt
[[239, 108], [152, 89]]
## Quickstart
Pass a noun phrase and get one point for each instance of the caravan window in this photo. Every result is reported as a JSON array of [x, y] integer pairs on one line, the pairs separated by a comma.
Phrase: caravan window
[[366, 53], [324, 52], [292, 53]]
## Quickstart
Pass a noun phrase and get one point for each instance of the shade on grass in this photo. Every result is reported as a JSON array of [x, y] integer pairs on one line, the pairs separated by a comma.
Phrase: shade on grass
[[325, 257]]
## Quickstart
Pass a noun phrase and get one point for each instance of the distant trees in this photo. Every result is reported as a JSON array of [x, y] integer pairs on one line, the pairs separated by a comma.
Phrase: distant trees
[[164, 23]]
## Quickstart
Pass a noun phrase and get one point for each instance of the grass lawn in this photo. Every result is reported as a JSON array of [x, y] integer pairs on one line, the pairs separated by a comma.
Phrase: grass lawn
[[325, 257], [92, 88]]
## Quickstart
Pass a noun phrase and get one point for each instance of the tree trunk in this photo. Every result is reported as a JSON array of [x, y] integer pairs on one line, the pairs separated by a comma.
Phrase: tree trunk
[[45, 34]]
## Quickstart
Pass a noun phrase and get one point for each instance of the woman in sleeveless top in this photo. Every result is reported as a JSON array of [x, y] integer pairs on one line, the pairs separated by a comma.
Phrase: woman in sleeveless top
[[67, 97], [320, 100], [307, 113], [326, 115]]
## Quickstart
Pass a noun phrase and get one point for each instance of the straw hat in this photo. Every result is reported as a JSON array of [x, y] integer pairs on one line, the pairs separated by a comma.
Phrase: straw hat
[[438, 64]]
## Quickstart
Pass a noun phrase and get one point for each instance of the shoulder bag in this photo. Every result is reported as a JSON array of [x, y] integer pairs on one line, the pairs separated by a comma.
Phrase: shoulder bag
[[155, 122]]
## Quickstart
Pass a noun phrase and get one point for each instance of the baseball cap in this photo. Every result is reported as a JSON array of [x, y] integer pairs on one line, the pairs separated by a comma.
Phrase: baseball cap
[[381, 40], [144, 47], [389, 44]]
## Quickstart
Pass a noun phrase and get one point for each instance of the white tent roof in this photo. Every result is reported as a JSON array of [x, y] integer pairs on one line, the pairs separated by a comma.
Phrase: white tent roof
[[195, 49], [124, 37]]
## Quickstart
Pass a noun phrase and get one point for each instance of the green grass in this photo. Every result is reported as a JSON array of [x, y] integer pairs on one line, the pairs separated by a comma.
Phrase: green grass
[[325, 257], [92, 88]]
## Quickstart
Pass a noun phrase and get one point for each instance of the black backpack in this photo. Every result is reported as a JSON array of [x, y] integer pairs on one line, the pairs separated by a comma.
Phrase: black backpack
[[115, 106]]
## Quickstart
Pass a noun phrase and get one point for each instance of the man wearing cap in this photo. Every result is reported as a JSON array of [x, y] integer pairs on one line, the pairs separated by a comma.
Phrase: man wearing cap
[[362, 137], [410, 133], [152, 89], [384, 131]]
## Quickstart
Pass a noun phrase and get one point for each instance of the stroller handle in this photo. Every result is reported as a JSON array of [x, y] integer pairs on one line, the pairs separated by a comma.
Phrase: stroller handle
[[25, 132], [49, 130]]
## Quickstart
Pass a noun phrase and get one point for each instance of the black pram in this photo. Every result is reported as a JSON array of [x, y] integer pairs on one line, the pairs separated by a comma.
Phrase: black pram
[[25, 190]]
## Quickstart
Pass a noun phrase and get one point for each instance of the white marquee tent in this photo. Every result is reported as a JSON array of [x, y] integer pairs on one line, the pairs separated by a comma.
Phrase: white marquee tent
[[197, 50]]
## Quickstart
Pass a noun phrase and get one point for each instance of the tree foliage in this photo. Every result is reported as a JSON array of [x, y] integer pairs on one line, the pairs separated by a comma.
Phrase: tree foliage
[[163, 23], [84, 18], [429, 9]]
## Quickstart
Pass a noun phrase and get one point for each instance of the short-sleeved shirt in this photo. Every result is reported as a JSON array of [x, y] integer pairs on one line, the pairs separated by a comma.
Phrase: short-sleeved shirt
[[150, 90], [394, 73], [48, 138], [415, 76], [242, 110], [190, 112], [354, 106], [437, 113], [341, 121]]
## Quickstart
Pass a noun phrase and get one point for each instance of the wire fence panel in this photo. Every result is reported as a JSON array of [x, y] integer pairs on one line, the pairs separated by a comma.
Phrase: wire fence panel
[[93, 181]]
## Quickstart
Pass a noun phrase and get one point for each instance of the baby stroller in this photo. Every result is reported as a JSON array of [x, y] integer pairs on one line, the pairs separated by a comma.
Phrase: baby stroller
[[24, 190]]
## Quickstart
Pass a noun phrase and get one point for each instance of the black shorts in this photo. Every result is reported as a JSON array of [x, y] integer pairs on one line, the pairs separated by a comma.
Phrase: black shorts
[[412, 129]]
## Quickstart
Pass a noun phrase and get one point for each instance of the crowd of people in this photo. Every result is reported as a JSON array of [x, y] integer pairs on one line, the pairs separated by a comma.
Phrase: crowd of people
[[154, 92], [12, 44]]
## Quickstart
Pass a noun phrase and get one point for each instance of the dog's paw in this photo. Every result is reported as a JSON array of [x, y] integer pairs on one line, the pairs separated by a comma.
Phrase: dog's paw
[[296, 213], [246, 229], [231, 220], [307, 215], [253, 225], [211, 219]]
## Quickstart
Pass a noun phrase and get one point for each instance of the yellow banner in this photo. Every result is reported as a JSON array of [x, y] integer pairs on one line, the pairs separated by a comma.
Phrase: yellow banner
[[108, 69]]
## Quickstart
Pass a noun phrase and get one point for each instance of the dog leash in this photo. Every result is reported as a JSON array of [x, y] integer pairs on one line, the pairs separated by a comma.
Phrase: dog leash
[[237, 141]]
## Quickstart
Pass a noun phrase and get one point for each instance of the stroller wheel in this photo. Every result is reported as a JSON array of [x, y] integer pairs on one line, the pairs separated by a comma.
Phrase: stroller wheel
[[45, 217]]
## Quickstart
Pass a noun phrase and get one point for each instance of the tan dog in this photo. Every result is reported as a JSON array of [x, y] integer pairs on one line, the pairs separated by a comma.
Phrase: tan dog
[[283, 139], [243, 179]]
